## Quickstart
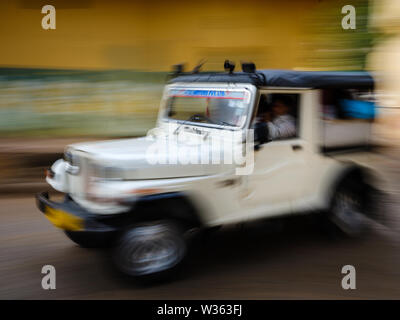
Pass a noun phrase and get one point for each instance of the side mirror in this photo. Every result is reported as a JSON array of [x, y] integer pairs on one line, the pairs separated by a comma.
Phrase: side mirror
[[261, 134]]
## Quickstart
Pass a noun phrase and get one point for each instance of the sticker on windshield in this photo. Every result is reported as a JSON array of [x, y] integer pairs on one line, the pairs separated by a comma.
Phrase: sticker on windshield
[[215, 94]]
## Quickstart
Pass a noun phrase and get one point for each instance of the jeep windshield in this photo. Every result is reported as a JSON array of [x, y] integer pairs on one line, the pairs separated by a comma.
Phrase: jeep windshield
[[208, 106]]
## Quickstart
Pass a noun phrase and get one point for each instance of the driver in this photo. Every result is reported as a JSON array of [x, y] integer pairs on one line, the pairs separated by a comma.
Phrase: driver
[[279, 123]]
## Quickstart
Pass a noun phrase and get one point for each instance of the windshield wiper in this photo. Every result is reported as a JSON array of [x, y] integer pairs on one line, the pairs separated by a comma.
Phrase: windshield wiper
[[197, 117], [223, 123]]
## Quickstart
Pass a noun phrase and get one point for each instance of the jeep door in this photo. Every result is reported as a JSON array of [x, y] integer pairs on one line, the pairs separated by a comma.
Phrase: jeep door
[[281, 166]]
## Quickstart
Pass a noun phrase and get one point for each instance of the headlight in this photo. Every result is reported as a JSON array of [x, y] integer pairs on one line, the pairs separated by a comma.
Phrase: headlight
[[72, 160]]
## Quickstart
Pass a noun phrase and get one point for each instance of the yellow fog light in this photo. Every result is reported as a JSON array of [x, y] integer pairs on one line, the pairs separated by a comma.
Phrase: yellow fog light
[[64, 220]]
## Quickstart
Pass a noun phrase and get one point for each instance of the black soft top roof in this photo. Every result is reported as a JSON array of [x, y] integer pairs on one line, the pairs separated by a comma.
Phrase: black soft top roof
[[286, 78]]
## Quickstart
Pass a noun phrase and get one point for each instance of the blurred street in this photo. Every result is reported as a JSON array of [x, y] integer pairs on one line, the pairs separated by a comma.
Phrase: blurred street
[[296, 262]]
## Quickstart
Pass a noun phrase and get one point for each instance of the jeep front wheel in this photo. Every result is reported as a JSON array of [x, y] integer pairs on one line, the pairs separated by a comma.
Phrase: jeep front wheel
[[150, 250]]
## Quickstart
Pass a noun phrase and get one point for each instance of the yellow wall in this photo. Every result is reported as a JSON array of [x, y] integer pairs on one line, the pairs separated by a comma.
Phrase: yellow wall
[[153, 35]]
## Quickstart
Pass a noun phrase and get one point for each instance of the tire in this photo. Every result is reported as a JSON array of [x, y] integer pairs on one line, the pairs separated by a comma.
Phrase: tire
[[88, 240], [150, 251], [348, 209]]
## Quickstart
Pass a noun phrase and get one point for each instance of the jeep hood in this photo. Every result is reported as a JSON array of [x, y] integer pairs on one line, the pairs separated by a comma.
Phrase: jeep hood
[[151, 158]]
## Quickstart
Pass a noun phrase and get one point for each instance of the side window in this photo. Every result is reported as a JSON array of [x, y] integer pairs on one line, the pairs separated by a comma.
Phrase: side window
[[347, 115], [279, 114], [347, 104]]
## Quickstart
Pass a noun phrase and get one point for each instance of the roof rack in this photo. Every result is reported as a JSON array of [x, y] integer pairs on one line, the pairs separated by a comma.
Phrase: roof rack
[[277, 78]]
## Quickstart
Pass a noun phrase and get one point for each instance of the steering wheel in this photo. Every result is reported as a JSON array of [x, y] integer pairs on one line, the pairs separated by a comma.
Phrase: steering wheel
[[199, 117]]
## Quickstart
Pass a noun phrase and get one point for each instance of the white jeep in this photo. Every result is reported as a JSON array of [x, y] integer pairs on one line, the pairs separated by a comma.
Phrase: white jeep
[[142, 196]]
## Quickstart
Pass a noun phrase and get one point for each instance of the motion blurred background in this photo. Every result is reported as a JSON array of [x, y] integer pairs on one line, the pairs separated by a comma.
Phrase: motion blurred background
[[100, 73]]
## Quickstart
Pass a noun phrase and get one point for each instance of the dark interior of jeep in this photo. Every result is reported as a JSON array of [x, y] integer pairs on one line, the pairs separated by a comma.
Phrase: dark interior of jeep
[[265, 107]]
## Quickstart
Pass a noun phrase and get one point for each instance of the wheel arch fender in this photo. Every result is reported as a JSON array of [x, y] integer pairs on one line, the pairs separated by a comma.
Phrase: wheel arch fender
[[172, 205], [349, 170]]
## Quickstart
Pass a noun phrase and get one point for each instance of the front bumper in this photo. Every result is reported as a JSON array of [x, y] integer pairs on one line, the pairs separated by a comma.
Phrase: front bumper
[[69, 216]]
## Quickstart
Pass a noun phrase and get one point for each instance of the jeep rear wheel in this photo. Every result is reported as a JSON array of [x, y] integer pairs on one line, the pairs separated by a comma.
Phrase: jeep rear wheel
[[347, 209], [150, 250]]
